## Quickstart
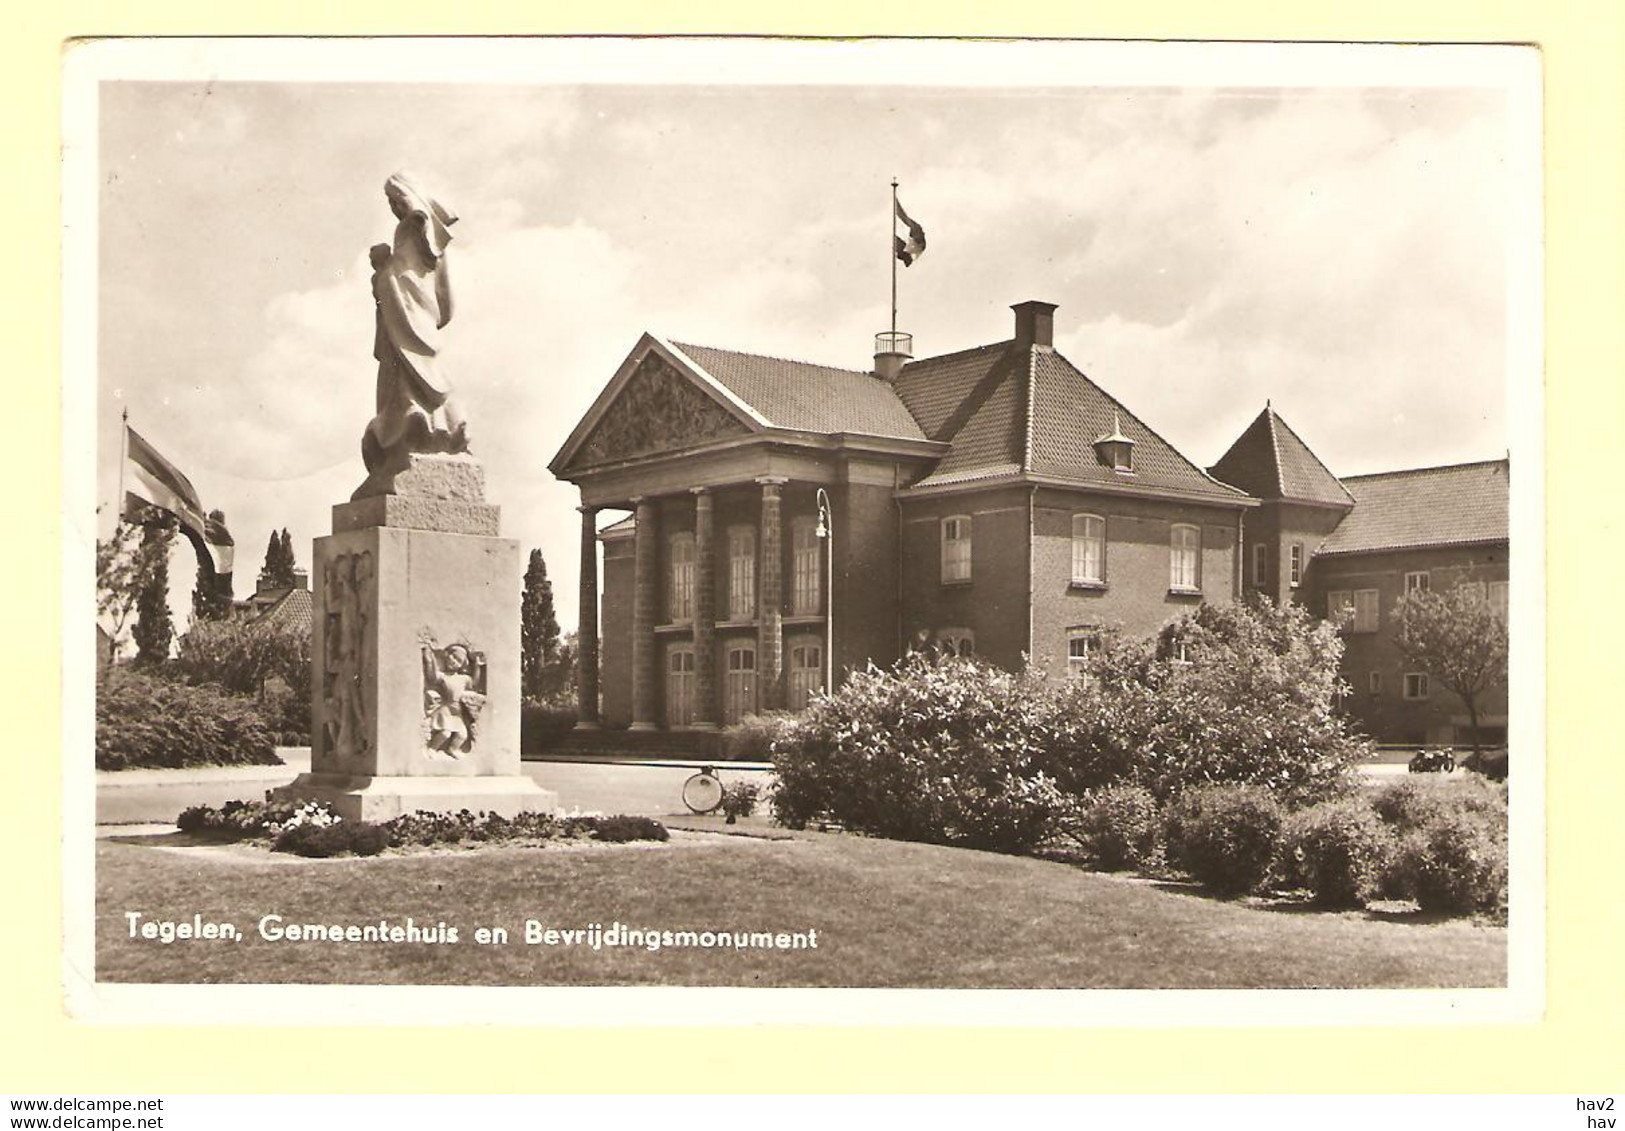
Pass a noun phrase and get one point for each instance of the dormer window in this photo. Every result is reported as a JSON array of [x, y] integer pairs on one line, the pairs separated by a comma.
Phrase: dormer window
[[1115, 450]]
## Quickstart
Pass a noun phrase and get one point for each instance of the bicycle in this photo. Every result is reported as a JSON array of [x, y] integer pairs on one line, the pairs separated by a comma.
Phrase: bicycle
[[702, 793]]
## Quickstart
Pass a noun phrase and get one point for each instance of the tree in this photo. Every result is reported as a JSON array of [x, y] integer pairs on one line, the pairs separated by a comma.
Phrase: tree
[[1459, 639], [123, 563], [277, 572], [154, 630], [539, 631], [211, 594]]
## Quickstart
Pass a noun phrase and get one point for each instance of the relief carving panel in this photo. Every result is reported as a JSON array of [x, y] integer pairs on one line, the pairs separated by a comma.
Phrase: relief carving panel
[[658, 410], [453, 696], [346, 653]]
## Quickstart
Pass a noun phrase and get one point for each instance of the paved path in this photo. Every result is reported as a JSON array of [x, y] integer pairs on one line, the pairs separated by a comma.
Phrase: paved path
[[651, 789]]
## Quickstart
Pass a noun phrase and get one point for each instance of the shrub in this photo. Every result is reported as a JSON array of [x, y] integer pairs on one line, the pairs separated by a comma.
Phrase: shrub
[[286, 714], [243, 655], [618, 830], [1119, 826], [1228, 694], [543, 727], [1338, 850], [1452, 854], [340, 838], [1411, 803], [1491, 764], [1225, 836], [1456, 863], [943, 750], [143, 719], [752, 737], [739, 799], [1433, 760]]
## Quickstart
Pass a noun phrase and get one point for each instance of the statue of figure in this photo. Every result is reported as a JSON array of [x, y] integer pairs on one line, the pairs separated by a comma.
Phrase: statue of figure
[[416, 410], [451, 697]]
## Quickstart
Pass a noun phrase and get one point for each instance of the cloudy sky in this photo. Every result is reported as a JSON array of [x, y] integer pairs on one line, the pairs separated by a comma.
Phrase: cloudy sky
[[1340, 251]]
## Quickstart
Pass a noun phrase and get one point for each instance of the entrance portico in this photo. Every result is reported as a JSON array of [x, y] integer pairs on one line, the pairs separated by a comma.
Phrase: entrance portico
[[720, 565]]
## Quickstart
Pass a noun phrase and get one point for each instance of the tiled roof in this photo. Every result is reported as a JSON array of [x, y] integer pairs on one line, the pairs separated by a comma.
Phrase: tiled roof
[[291, 611], [1430, 506], [620, 526], [1070, 411], [1269, 461], [809, 398], [934, 387], [1008, 412]]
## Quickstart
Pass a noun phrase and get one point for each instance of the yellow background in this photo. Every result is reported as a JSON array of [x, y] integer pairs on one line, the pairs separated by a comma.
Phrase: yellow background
[[1577, 1047]]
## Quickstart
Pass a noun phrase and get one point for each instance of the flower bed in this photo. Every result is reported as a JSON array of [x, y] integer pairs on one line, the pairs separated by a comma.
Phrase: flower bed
[[311, 829]]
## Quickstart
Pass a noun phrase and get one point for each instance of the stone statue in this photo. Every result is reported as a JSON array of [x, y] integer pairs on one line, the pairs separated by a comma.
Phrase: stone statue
[[416, 408]]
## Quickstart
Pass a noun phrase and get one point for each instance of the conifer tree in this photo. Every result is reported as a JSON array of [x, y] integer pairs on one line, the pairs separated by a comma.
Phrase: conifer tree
[[539, 631], [211, 595], [154, 630]]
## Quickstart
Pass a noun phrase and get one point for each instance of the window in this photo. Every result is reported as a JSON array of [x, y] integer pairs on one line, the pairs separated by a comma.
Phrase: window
[[1185, 552], [1088, 549], [1365, 611], [1416, 685], [806, 672], [1260, 562], [680, 685], [1373, 683], [680, 606], [739, 697], [1297, 564], [956, 642], [806, 574], [1474, 591], [1081, 646], [1179, 651], [955, 549], [1340, 608], [1497, 593], [741, 573], [1417, 582]]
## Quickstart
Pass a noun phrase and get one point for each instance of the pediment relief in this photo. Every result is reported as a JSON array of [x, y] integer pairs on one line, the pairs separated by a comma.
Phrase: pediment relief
[[658, 410]]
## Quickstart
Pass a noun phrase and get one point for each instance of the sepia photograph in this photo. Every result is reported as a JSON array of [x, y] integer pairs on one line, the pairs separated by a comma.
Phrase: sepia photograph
[[805, 515]]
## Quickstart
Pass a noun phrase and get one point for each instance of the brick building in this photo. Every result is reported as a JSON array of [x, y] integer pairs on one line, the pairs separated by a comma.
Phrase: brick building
[[1351, 548], [791, 521]]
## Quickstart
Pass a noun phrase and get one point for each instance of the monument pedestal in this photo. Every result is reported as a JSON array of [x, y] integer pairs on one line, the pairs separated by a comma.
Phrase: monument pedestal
[[415, 644]]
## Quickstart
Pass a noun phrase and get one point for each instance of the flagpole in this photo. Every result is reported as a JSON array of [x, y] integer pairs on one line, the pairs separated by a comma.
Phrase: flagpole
[[891, 246], [123, 458]]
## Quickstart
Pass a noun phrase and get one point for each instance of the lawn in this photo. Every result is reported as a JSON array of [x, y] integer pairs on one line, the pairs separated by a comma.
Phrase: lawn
[[886, 914]]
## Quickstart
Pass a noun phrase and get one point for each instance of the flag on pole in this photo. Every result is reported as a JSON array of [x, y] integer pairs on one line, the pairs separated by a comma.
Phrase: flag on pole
[[153, 480], [914, 247]]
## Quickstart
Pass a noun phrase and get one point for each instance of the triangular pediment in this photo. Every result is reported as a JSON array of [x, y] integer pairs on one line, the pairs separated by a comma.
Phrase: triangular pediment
[[650, 409]]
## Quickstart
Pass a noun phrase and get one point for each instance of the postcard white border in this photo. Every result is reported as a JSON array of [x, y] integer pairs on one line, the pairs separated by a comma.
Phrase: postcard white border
[[871, 62]]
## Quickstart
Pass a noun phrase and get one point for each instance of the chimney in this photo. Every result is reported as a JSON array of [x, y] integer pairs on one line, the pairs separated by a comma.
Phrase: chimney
[[1035, 324], [893, 349], [301, 579]]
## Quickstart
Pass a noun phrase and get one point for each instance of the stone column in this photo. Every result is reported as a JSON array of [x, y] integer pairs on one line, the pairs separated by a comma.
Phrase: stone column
[[587, 637], [705, 612], [770, 597], [645, 608]]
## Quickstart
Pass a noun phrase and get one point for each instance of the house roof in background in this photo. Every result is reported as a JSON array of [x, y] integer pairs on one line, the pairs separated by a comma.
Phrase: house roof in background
[[1460, 504], [292, 611]]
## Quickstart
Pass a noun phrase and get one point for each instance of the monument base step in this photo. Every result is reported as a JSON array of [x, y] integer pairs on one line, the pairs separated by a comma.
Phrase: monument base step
[[385, 798]]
